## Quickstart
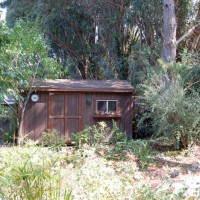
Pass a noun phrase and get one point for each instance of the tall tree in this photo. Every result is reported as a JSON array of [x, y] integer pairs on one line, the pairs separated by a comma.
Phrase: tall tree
[[169, 42], [94, 39]]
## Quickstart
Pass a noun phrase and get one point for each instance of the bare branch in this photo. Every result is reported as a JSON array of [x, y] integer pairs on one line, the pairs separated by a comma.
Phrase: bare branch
[[194, 29], [14, 111]]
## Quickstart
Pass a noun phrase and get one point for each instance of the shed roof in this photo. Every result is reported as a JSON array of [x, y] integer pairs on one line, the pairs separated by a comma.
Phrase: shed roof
[[84, 85]]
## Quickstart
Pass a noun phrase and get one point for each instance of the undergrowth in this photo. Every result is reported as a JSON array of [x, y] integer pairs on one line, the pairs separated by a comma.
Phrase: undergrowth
[[112, 143], [94, 169], [31, 173]]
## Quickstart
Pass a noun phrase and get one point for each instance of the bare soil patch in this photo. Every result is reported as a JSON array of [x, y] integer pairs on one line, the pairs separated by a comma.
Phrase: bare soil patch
[[178, 169]]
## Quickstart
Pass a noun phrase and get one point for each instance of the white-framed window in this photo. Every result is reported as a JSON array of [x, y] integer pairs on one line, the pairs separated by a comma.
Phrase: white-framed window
[[107, 106]]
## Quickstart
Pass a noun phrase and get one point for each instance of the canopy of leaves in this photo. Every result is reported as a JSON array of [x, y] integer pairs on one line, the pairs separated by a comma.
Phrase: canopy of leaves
[[94, 39], [23, 58]]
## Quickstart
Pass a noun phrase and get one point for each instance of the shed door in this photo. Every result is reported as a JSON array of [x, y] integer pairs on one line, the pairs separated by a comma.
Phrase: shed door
[[65, 113]]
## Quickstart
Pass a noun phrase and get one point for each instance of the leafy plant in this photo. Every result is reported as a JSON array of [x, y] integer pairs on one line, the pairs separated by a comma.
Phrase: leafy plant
[[173, 111], [91, 135], [31, 173], [188, 71], [117, 134], [24, 59], [52, 139], [8, 116], [141, 149]]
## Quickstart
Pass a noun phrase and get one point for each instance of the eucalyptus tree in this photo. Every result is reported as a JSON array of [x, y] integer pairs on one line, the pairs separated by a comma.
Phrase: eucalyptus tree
[[94, 39], [172, 37], [101, 39]]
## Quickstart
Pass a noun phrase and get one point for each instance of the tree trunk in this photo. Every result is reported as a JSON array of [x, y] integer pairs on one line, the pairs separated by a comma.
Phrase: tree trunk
[[22, 112], [169, 42], [21, 119]]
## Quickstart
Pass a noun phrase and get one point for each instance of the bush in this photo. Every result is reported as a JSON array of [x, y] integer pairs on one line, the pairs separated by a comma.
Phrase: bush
[[118, 146], [173, 111], [8, 117], [52, 138], [188, 71], [91, 135]]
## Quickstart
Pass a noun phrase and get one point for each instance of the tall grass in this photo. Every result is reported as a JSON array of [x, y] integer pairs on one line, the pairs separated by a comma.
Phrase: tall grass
[[38, 173], [30, 173]]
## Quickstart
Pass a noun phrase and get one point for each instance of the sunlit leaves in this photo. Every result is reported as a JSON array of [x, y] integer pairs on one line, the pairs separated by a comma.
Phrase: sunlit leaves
[[24, 57]]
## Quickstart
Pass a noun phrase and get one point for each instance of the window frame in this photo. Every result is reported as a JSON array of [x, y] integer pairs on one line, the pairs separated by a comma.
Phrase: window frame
[[117, 113]]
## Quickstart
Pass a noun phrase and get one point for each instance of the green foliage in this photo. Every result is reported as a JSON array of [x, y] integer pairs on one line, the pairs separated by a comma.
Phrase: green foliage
[[117, 134], [31, 173], [91, 135], [172, 110], [121, 149], [8, 116], [39, 173], [140, 61], [141, 149], [116, 145], [24, 58], [52, 139], [183, 8], [78, 32], [188, 71]]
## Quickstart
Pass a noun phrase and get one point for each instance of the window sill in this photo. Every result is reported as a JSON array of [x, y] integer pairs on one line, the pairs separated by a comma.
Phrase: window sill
[[107, 116]]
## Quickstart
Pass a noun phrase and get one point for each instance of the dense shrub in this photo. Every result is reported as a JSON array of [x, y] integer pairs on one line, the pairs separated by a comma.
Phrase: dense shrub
[[9, 117], [173, 110], [52, 139], [188, 72], [112, 143], [94, 135]]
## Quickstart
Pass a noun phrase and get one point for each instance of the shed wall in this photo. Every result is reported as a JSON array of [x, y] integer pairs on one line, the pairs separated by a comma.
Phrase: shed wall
[[37, 114]]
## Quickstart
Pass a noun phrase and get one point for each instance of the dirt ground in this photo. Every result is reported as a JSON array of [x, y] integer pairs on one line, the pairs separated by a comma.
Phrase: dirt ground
[[167, 168], [178, 169]]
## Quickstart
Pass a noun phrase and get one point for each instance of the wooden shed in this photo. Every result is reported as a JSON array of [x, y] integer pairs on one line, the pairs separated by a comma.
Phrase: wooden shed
[[69, 105]]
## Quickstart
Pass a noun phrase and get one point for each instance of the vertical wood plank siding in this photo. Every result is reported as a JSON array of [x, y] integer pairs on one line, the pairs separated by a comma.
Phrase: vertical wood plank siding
[[70, 112], [35, 119]]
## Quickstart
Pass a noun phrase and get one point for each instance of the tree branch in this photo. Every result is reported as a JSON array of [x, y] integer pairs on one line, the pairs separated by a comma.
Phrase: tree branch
[[194, 29], [14, 111]]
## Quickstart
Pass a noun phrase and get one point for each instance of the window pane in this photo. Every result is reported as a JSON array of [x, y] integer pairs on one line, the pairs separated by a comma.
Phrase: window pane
[[101, 106], [112, 106]]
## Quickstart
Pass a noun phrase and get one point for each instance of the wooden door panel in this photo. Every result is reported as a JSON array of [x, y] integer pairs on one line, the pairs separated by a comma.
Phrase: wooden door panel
[[58, 104], [72, 105], [73, 125], [73, 115], [65, 113], [59, 124], [40, 116], [57, 112]]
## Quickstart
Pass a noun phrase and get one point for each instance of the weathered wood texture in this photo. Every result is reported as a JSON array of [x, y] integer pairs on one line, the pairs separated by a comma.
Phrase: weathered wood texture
[[69, 112], [35, 119]]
